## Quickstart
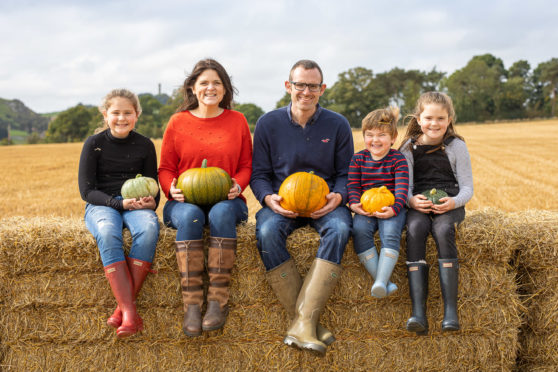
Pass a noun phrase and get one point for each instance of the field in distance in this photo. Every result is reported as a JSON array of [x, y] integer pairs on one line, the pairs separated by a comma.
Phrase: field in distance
[[514, 169]]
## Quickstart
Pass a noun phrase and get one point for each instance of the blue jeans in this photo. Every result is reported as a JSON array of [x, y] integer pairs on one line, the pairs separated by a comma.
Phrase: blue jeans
[[390, 229], [190, 219], [106, 223], [272, 231]]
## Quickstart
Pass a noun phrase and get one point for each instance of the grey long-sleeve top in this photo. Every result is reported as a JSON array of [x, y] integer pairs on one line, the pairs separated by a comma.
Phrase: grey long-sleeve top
[[460, 161]]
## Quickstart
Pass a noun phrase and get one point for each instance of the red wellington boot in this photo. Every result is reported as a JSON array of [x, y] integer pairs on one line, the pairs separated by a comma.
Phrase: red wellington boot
[[138, 270], [120, 281]]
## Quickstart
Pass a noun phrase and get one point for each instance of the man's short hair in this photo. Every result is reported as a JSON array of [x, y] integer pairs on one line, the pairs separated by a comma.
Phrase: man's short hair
[[306, 64]]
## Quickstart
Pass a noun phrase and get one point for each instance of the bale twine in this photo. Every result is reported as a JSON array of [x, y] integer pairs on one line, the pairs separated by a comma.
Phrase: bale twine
[[55, 301]]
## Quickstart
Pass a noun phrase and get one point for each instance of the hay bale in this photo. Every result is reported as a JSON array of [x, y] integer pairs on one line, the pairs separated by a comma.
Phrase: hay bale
[[536, 237], [55, 302]]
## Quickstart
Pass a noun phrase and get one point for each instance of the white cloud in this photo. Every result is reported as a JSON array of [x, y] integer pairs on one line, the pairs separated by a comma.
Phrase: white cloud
[[62, 52]]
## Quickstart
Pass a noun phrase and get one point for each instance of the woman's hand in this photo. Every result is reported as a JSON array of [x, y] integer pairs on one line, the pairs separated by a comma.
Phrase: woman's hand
[[175, 193], [387, 212], [421, 203], [234, 192], [447, 205], [357, 208]]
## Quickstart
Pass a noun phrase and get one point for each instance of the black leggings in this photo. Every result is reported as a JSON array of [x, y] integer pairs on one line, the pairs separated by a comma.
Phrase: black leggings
[[442, 226]]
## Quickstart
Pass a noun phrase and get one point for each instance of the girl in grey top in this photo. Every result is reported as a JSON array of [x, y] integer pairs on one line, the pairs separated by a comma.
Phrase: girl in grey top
[[438, 159]]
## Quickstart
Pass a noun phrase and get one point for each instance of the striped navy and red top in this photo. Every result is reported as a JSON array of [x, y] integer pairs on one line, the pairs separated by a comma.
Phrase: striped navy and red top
[[391, 171]]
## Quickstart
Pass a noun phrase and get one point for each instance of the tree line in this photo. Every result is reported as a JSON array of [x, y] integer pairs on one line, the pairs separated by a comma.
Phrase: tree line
[[482, 90]]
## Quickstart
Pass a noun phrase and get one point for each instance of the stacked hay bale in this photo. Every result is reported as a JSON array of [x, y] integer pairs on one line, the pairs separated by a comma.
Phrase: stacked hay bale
[[536, 235], [55, 301]]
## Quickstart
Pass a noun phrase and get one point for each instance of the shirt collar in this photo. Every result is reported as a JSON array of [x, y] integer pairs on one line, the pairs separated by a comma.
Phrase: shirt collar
[[314, 117]]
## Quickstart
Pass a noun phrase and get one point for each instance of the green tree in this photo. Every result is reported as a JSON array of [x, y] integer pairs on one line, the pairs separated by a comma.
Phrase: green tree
[[355, 94], [475, 88], [251, 111], [548, 72], [72, 125], [284, 101]]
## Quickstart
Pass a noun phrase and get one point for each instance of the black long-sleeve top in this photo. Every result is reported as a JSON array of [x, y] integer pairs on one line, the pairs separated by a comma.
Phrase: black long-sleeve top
[[106, 162]]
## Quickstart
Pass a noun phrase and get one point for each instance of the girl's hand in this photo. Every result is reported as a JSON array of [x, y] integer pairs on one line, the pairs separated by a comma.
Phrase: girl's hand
[[421, 203], [128, 204], [234, 192], [447, 205], [175, 193], [387, 212], [357, 208], [147, 202]]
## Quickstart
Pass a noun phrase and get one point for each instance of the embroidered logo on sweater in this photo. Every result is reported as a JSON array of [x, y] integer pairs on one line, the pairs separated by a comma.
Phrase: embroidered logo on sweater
[[326, 140]]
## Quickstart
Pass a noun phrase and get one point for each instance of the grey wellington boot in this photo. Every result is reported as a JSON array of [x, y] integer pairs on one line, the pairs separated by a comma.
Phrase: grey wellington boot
[[369, 259]]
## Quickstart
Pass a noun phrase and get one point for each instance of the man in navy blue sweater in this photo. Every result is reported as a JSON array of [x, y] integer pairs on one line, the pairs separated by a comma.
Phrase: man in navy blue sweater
[[302, 136]]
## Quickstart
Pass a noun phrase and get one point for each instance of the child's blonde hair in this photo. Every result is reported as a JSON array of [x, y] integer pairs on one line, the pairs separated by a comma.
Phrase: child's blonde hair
[[439, 98], [115, 93], [384, 119]]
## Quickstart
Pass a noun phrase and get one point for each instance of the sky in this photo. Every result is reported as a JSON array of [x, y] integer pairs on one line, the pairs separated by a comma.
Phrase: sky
[[57, 53]]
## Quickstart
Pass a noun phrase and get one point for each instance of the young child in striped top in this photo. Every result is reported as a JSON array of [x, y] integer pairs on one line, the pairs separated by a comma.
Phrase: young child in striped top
[[379, 165]]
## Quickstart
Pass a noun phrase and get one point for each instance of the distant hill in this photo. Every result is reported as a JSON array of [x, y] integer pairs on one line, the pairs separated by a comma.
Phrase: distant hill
[[163, 98], [18, 117]]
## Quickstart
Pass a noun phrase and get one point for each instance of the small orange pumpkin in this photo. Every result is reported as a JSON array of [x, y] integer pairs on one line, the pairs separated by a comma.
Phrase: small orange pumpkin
[[303, 193], [374, 199]]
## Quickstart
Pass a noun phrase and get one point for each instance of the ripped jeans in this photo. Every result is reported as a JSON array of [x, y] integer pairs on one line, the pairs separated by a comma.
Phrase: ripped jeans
[[106, 223]]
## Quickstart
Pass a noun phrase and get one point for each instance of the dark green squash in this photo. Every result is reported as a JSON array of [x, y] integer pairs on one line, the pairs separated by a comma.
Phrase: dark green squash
[[434, 195], [205, 185]]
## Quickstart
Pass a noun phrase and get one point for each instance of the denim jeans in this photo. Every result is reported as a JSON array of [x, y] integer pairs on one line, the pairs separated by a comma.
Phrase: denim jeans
[[390, 229], [272, 230], [190, 219], [442, 226], [106, 223]]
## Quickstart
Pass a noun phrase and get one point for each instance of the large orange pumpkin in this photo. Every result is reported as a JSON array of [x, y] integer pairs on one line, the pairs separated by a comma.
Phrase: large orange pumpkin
[[373, 200], [205, 185], [303, 193]]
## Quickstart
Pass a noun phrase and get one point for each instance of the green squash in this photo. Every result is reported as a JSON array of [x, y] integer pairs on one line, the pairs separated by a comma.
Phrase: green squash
[[139, 187], [205, 185], [434, 195]]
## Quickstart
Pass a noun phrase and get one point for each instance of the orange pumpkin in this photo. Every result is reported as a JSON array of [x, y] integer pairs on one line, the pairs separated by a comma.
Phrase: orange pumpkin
[[303, 193], [373, 200]]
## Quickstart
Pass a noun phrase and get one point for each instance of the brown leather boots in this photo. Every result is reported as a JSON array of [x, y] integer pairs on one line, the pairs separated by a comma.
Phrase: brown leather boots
[[190, 258]]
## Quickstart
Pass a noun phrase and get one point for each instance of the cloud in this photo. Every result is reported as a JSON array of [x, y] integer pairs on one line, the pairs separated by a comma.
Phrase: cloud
[[65, 52]]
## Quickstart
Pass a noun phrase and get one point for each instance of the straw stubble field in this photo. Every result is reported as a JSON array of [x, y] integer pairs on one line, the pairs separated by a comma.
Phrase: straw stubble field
[[54, 299], [514, 169]]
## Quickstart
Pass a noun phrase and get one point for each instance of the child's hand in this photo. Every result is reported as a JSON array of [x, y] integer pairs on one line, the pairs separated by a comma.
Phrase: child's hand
[[421, 203], [387, 212], [357, 208], [447, 205]]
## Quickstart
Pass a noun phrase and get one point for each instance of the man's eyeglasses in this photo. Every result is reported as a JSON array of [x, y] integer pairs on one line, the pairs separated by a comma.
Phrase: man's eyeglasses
[[302, 86]]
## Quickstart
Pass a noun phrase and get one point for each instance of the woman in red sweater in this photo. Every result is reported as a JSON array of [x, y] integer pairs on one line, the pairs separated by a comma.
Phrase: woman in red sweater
[[205, 127]]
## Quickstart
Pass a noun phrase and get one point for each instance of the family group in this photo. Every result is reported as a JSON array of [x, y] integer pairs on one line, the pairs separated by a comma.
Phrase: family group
[[300, 137]]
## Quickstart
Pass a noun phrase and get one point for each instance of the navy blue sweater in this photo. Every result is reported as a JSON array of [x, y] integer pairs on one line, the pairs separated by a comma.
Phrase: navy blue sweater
[[283, 147]]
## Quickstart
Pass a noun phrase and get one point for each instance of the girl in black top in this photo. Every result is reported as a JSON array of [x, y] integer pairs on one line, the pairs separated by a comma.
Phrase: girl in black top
[[108, 159]]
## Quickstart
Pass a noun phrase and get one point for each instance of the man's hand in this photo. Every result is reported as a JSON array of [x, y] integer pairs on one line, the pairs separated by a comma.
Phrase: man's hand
[[333, 201], [273, 200]]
